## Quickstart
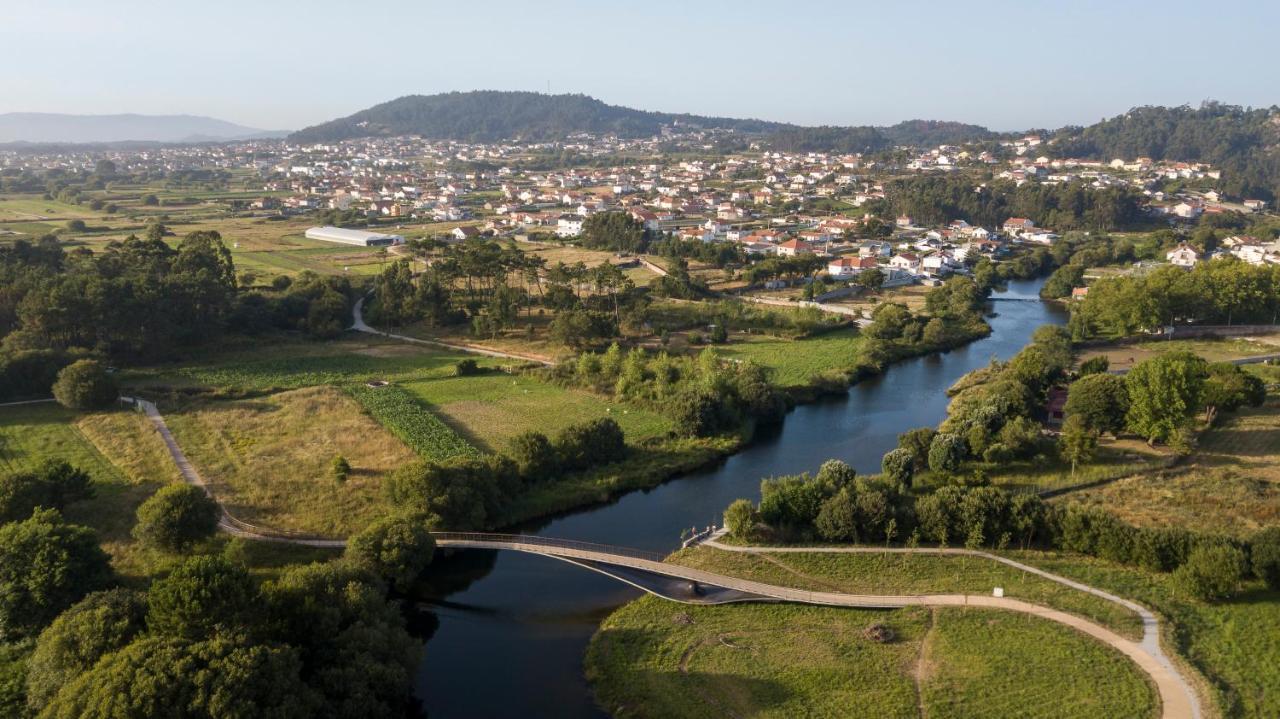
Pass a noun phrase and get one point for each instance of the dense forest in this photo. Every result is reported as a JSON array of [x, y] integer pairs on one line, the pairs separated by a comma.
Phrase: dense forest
[[865, 139], [141, 298], [938, 200], [1244, 143]]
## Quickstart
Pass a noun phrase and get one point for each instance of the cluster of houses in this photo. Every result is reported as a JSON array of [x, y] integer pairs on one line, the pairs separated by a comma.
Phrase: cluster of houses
[[1243, 247]]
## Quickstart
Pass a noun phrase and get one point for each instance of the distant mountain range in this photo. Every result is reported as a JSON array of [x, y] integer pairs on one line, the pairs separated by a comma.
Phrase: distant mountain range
[[45, 127], [489, 115]]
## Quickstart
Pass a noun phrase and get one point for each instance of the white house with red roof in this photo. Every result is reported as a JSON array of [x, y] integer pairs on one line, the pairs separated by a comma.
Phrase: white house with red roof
[[1018, 225], [845, 267], [1183, 255], [907, 261], [793, 247]]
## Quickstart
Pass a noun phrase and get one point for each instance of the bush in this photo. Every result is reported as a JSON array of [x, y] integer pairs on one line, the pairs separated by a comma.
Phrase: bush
[[1212, 572], [696, 413], [54, 484], [898, 465], [85, 385], [946, 452], [465, 493], [917, 441], [466, 368], [590, 444], [340, 469], [1265, 551], [1094, 365], [176, 517], [395, 548], [741, 519], [536, 458]]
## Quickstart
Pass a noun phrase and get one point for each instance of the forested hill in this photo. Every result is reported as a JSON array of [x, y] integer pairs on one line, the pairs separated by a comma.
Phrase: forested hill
[[917, 133], [1243, 143], [488, 115]]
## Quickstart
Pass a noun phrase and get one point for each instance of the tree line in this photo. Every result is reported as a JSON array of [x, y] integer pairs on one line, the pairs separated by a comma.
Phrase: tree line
[[1222, 291], [141, 299]]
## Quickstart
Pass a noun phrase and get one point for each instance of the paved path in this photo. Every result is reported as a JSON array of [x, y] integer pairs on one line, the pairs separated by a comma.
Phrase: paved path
[[1177, 699], [360, 326], [1177, 695], [28, 401]]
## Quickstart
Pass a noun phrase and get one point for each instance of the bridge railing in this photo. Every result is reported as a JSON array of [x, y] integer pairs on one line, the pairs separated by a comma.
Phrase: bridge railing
[[254, 529], [535, 540]]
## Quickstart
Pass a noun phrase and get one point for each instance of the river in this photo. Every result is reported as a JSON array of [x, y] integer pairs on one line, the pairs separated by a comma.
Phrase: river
[[513, 628]]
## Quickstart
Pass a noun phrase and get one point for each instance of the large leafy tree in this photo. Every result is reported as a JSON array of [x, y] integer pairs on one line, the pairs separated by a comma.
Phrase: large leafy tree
[[1100, 400], [101, 623], [202, 597], [46, 565], [395, 548], [615, 231], [1163, 393], [176, 517], [85, 384], [222, 678], [357, 653]]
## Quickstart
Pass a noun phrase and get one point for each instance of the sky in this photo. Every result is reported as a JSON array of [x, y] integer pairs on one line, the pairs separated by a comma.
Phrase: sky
[[286, 64]]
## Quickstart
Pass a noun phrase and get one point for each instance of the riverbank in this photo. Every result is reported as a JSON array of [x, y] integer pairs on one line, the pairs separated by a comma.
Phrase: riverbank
[[543, 613]]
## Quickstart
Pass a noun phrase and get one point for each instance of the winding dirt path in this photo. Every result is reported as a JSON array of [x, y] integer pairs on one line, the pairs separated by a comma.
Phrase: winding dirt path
[[359, 325]]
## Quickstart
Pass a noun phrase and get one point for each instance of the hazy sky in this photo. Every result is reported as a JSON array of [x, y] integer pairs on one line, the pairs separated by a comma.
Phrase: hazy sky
[[284, 64]]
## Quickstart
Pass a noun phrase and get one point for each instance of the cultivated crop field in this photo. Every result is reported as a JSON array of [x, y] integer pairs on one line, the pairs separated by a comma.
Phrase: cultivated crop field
[[406, 417], [657, 659], [489, 410]]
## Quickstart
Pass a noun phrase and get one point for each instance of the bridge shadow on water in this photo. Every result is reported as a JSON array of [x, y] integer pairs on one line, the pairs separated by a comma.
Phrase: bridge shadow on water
[[672, 588]]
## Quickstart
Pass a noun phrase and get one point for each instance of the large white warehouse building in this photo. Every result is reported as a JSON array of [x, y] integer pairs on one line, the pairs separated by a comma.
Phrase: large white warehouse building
[[353, 237]]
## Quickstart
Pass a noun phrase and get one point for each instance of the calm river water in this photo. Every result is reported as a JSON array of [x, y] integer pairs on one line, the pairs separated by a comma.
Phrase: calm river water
[[513, 628]]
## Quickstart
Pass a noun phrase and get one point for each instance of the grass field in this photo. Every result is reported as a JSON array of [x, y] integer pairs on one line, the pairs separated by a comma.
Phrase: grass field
[[1229, 485], [1114, 459], [120, 451], [268, 458], [305, 364], [881, 573], [999, 664], [489, 410], [22, 208], [1125, 356], [656, 659], [796, 362], [30, 434], [1235, 644]]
